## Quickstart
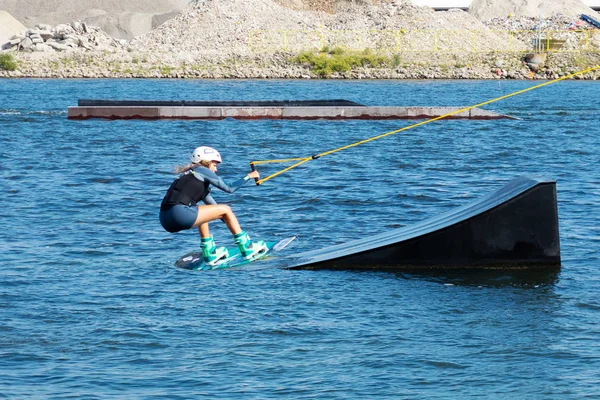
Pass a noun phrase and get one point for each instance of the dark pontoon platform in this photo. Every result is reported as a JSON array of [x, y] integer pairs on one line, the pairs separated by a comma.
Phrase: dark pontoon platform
[[515, 227], [269, 109], [222, 103]]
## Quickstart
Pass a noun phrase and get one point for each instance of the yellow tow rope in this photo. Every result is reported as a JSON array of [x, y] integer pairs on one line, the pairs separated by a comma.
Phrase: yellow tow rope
[[302, 160]]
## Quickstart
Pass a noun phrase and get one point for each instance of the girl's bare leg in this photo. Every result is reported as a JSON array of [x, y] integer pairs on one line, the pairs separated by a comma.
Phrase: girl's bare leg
[[203, 229], [209, 213]]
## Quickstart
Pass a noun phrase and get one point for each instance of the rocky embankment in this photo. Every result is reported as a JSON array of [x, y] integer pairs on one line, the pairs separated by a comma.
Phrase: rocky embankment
[[262, 39], [279, 66], [62, 38]]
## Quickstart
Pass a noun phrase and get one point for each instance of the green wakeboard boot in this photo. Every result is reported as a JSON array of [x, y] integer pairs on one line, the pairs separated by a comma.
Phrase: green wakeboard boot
[[248, 248], [211, 253]]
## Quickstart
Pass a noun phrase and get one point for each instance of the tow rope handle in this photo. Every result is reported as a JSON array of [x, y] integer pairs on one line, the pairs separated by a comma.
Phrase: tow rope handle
[[254, 169]]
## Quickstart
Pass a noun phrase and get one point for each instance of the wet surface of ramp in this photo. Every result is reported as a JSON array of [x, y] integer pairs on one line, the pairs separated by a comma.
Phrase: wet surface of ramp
[[513, 227]]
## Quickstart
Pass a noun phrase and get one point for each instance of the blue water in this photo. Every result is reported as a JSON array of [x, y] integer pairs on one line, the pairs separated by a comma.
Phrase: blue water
[[91, 306]]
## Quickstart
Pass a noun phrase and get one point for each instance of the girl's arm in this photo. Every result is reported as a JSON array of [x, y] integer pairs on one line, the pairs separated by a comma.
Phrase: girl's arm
[[205, 174], [209, 200]]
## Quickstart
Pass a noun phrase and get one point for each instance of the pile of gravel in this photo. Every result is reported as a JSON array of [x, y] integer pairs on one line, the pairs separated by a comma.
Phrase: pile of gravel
[[122, 19], [259, 38], [264, 26], [8, 27], [487, 9], [29, 8], [331, 6]]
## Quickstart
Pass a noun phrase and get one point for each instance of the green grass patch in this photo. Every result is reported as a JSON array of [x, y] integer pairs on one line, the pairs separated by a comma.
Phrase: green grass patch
[[8, 62], [327, 61]]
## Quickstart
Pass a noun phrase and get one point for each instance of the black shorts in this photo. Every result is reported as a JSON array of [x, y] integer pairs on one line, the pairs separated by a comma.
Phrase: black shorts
[[178, 218]]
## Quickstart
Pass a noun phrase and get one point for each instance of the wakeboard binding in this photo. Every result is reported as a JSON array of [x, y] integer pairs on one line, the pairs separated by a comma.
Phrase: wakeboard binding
[[211, 254], [248, 248]]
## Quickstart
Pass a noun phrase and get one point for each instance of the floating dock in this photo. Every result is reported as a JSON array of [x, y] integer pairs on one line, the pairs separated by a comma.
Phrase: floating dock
[[515, 227], [287, 109]]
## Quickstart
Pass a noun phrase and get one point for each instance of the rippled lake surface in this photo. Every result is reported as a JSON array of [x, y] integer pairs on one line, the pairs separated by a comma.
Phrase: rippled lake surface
[[92, 307]]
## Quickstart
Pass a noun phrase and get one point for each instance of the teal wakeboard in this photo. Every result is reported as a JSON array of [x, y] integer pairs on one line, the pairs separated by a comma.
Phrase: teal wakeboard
[[193, 261]]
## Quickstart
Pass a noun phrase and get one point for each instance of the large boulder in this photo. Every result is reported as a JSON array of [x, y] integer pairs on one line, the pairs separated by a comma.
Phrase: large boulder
[[76, 36], [487, 9], [123, 19], [9, 27]]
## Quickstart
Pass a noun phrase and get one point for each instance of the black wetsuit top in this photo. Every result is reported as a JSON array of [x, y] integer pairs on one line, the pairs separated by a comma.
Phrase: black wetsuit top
[[193, 186]]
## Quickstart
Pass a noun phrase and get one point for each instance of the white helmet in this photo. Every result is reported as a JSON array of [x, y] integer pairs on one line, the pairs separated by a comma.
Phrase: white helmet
[[205, 153]]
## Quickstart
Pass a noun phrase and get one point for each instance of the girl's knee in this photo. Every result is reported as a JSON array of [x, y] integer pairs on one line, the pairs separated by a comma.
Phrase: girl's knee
[[227, 209]]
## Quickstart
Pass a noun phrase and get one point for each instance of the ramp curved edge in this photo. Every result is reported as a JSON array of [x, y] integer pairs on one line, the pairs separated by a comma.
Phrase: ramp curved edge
[[513, 227]]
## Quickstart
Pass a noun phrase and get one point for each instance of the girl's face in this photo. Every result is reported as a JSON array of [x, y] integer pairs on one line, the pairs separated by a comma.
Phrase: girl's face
[[213, 166]]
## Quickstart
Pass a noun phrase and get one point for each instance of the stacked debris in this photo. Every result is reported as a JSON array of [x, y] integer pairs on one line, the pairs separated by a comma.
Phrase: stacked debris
[[64, 37]]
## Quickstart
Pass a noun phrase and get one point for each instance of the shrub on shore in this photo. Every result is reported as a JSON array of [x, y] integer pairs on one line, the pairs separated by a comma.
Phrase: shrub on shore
[[8, 62], [327, 61]]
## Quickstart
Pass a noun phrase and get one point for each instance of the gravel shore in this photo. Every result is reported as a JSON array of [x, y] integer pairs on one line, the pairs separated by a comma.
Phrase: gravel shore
[[215, 39]]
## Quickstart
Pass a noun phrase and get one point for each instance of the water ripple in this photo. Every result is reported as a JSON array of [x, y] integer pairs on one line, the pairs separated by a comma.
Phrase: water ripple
[[92, 307]]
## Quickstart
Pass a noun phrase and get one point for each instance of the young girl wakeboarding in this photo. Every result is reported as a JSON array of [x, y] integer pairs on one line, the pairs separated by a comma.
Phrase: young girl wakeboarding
[[179, 209]]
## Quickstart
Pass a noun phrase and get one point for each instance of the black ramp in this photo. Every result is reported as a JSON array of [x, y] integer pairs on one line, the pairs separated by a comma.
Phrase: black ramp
[[513, 227]]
